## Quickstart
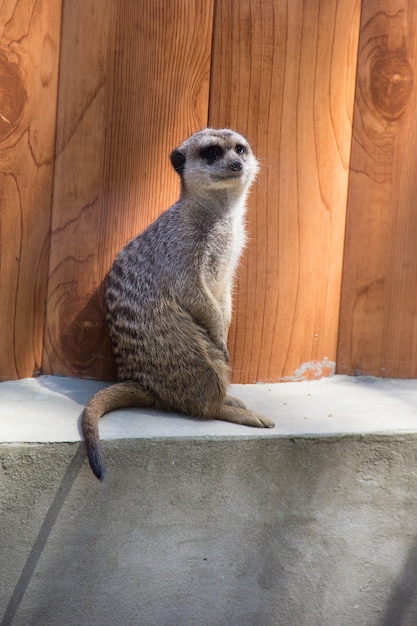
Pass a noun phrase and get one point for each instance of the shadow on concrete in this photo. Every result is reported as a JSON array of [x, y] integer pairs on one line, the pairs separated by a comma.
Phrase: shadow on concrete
[[43, 535], [402, 604], [77, 390]]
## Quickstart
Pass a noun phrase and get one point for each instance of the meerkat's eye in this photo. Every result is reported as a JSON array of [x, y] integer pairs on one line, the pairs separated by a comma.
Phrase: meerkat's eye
[[211, 153], [241, 150]]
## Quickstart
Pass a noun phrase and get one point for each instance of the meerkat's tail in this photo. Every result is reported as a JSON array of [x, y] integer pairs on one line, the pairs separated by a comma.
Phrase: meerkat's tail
[[116, 396]]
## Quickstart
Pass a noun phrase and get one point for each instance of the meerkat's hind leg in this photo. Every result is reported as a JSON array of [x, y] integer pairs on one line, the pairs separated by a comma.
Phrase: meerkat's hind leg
[[238, 415], [232, 401]]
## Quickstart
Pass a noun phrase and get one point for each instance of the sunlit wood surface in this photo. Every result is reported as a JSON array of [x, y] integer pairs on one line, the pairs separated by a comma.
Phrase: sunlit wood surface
[[378, 326], [29, 56], [94, 97]]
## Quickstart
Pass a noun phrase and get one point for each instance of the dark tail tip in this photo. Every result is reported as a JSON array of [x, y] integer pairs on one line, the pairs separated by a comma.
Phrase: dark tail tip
[[96, 460]]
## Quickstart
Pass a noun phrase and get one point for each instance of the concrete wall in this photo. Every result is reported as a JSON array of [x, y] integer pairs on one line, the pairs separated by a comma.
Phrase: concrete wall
[[269, 531]]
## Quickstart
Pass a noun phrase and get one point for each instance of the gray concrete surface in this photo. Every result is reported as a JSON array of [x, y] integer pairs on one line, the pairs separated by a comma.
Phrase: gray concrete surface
[[46, 409], [312, 523]]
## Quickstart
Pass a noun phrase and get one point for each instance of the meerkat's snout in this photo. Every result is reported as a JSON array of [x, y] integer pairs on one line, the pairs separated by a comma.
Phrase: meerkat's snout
[[236, 166]]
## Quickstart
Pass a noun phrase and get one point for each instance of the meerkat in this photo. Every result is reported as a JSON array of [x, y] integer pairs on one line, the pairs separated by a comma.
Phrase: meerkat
[[169, 294]]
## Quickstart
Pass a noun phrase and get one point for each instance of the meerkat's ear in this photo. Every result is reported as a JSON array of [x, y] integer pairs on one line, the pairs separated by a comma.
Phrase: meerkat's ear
[[178, 160]]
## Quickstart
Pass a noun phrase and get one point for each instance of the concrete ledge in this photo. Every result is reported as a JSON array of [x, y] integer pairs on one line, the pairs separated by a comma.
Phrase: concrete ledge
[[209, 524], [47, 409]]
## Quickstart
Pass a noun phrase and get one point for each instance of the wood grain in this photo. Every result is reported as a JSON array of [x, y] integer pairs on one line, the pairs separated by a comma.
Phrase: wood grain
[[134, 82], [137, 78], [285, 76], [378, 326], [29, 56]]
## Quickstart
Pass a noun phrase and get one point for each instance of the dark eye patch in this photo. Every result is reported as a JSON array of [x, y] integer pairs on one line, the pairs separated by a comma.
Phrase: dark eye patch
[[211, 153], [241, 150]]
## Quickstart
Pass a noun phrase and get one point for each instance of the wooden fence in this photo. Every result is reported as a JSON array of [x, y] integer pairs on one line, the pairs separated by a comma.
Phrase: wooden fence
[[94, 94]]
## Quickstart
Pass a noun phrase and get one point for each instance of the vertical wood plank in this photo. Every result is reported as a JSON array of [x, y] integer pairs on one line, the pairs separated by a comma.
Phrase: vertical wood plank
[[29, 55], [378, 325], [134, 82], [284, 75]]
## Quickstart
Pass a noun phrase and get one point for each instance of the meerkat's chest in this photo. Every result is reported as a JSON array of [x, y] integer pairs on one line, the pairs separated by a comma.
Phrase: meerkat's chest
[[223, 249]]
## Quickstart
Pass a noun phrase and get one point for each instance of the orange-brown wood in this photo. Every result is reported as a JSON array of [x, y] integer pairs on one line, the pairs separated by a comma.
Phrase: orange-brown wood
[[29, 55], [134, 82], [135, 78], [284, 74], [378, 325]]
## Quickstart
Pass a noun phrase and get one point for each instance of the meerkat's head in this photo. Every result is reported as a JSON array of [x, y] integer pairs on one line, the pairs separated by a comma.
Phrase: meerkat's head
[[215, 159]]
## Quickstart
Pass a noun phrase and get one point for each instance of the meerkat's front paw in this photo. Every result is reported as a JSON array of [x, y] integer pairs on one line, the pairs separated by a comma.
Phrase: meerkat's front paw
[[223, 348]]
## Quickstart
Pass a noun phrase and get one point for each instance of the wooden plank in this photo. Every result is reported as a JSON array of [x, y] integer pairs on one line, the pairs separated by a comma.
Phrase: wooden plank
[[134, 82], [378, 326], [29, 55], [285, 76]]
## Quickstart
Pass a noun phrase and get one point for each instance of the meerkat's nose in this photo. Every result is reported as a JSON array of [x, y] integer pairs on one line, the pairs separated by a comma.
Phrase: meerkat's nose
[[236, 165]]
